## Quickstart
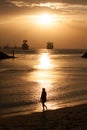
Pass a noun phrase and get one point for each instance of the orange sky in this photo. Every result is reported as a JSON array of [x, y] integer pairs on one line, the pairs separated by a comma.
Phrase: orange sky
[[65, 23]]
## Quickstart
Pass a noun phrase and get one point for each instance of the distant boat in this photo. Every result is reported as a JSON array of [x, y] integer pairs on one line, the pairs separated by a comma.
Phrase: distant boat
[[84, 55], [25, 45], [5, 56], [50, 45]]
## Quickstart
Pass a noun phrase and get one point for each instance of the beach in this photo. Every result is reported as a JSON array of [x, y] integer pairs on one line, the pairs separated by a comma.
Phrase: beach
[[69, 118]]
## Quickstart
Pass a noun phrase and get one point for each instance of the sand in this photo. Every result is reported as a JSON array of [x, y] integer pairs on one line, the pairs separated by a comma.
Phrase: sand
[[70, 118]]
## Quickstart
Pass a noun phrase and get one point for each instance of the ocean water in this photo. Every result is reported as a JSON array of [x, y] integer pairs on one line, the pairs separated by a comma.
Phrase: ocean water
[[63, 73]]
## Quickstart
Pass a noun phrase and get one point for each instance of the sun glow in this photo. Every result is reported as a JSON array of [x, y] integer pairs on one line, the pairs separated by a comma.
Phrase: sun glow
[[44, 61], [45, 19]]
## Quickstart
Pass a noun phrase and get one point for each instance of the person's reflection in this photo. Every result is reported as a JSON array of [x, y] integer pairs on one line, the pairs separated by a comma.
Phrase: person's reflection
[[43, 98], [44, 121]]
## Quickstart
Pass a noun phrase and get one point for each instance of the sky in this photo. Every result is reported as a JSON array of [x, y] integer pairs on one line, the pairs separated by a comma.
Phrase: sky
[[63, 22]]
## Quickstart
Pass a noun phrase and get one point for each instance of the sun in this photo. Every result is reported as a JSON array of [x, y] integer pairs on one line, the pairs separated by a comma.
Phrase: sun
[[45, 19]]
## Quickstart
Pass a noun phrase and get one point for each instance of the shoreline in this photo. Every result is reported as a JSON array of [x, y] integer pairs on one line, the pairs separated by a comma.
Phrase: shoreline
[[69, 118]]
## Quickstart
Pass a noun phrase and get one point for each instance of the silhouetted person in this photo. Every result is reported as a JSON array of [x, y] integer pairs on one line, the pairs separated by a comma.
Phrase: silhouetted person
[[43, 98]]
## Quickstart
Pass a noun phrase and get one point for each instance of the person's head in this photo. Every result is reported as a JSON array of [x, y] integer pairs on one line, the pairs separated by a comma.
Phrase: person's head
[[43, 89]]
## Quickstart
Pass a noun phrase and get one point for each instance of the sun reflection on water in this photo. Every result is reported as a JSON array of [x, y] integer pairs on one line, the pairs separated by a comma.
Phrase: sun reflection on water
[[45, 62], [43, 77]]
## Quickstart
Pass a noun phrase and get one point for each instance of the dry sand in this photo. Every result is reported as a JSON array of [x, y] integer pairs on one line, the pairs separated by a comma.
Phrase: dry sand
[[70, 118]]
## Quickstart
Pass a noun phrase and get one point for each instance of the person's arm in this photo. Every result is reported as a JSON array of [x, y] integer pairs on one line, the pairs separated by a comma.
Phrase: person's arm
[[41, 97]]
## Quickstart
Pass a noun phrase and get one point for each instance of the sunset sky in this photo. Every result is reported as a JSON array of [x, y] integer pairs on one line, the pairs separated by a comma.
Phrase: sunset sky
[[63, 22]]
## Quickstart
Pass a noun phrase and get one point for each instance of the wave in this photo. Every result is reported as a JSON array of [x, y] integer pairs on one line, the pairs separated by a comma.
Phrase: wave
[[17, 70], [16, 104]]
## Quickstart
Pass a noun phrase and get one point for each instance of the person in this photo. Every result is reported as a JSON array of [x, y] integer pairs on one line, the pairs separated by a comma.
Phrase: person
[[43, 98]]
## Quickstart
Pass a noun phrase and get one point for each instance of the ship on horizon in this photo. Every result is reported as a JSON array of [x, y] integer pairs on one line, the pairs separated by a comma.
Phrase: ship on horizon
[[50, 45], [25, 45]]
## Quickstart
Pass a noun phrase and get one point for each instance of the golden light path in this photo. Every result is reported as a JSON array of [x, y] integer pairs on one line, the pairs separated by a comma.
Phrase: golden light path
[[44, 61], [44, 77]]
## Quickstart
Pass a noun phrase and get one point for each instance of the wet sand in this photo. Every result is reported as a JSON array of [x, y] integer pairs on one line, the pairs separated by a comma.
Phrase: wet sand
[[70, 118]]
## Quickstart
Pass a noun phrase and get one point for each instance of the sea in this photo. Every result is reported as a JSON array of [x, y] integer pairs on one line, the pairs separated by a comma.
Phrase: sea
[[62, 72]]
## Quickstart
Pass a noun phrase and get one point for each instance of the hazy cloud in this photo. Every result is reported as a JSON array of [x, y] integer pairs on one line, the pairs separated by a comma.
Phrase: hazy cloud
[[80, 2], [20, 7]]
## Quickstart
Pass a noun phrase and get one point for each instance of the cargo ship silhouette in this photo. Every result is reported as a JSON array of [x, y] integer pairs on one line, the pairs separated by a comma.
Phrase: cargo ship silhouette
[[50, 45]]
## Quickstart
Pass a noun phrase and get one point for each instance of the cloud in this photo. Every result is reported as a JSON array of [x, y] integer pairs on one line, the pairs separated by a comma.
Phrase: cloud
[[63, 7], [19, 3], [79, 2]]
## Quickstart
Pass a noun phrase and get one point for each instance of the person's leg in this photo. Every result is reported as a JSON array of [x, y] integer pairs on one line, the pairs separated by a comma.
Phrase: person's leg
[[45, 106]]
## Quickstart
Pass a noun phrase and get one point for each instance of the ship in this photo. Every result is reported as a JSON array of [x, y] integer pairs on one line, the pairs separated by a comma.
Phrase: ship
[[50, 45], [25, 45]]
